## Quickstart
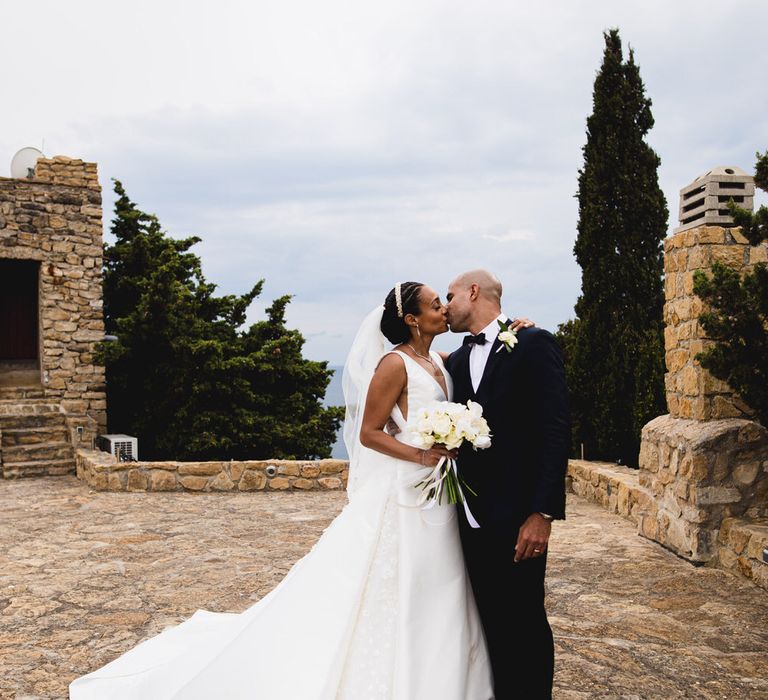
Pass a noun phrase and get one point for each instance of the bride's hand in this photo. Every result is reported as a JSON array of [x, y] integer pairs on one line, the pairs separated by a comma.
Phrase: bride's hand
[[431, 457], [517, 323]]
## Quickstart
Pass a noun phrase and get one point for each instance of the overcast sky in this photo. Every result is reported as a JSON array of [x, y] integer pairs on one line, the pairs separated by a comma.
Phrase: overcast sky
[[336, 147]]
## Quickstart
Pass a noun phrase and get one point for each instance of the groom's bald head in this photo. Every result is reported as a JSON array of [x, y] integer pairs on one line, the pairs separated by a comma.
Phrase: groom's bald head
[[474, 300], [488, 285]]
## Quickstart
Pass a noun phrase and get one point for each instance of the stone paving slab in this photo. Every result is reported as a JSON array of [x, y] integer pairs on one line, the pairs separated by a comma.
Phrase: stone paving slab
[[87, 575]]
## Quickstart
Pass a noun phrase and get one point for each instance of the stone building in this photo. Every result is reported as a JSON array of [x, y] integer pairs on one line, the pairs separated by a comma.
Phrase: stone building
[[52, 395]]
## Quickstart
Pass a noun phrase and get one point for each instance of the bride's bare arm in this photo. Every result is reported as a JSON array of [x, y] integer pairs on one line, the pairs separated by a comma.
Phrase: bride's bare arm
[[388, 383]]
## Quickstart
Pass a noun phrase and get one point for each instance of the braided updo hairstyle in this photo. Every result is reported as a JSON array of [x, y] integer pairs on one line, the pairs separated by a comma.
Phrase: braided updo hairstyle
[[394, 328]]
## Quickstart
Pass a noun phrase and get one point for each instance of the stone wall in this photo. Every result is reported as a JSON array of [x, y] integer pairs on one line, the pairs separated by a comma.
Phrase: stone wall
[[615, 487], [737, 544], [55, 218], [700, 473], [741, 549], [103, 472], [705, 460]]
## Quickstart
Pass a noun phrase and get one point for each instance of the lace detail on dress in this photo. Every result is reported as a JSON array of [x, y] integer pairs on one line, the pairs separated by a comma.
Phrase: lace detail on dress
[[369, 668]]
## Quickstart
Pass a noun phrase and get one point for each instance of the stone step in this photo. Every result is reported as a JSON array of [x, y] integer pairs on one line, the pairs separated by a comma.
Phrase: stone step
[[33, 436], [28, 407], [31, 421], [44, 467], [35, 453], [17, 393], [19, 376]]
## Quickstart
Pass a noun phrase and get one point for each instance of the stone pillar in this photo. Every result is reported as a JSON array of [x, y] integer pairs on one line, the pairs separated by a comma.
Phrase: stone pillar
[[692, 392], [705, 460]]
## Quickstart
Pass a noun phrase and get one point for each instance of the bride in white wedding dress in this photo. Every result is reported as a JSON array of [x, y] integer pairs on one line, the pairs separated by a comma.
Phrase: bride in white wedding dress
[[381, 607]]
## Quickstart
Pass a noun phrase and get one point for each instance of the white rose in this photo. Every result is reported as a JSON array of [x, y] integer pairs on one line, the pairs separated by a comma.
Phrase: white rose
[[424, 425], [481, 442], [508, 338], [453, 440], [441, 424], [454, 410], [425, 441], [475, 409], [465, 427], [480, 425]]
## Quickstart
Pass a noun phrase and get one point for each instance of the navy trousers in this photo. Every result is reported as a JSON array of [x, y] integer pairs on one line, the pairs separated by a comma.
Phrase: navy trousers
[[510, 599]]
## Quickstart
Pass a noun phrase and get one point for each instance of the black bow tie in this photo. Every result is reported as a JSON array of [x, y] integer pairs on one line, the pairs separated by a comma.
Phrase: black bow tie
[[478, 339]]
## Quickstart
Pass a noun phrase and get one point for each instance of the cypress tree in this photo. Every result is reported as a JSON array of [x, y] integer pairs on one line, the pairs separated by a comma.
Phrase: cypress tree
[[615, 347]]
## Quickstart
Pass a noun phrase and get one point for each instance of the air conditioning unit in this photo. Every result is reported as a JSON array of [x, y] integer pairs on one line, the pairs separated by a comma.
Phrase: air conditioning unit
[[124, 447]]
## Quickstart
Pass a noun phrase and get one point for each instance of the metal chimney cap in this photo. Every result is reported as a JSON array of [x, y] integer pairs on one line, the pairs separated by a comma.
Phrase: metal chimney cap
[[705, 201]]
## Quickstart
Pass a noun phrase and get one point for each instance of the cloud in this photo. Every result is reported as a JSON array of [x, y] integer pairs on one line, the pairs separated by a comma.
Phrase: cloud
[[509, 236]]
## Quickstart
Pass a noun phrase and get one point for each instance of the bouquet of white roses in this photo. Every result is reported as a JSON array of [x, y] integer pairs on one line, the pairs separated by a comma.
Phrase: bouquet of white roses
[[449, 424]]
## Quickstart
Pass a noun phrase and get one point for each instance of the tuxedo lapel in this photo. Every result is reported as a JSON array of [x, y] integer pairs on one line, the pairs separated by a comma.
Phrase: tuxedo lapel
[[498, 351], [491, 363], [462, 380], [461, 375]]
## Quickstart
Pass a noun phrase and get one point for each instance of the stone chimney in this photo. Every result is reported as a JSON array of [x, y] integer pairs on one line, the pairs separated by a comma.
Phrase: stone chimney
[[692, 392], [706, 460]]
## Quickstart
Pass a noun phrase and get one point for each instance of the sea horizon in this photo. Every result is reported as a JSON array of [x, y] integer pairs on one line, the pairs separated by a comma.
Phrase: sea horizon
[[334, 396]]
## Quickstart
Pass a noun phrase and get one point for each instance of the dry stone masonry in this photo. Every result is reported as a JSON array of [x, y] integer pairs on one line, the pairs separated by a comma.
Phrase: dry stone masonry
[[52, 395], [692, 392], [616, 488], [705, 461], [700, 473], [103, 472]]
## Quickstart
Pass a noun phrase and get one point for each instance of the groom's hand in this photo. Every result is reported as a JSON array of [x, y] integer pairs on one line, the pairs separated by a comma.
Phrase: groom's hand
[[533, 537]]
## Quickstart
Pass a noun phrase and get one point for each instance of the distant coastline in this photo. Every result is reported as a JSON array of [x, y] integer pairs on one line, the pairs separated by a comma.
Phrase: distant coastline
[[334, 396]]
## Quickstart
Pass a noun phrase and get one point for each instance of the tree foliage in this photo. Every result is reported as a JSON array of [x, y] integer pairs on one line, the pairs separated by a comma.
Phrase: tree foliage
[[615, 346], [754, 225], [183, 376], [737, 315]]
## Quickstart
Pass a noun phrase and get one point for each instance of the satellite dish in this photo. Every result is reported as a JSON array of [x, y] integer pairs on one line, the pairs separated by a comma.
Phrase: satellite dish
[[23, 163]]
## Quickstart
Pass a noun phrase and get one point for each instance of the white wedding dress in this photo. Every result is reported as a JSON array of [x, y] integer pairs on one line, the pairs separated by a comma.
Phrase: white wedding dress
[[380, 608]]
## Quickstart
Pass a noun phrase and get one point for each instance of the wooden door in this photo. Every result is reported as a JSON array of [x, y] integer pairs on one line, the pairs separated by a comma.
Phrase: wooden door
[[18, 309]]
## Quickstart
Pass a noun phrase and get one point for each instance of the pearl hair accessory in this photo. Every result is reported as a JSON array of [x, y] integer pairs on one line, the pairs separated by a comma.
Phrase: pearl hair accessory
[[398, 300]]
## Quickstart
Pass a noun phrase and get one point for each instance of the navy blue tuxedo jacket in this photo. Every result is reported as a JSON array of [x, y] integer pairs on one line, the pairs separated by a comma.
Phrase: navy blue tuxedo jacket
[[525, 401]]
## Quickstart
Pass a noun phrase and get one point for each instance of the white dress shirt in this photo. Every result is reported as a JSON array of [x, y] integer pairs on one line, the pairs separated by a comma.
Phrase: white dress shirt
[[479, 354]]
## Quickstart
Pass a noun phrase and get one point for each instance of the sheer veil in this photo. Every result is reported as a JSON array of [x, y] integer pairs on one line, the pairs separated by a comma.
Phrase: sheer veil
[[364, 356]]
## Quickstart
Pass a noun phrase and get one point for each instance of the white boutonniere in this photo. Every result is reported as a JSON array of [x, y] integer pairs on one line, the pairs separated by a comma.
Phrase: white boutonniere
[[507, 336]]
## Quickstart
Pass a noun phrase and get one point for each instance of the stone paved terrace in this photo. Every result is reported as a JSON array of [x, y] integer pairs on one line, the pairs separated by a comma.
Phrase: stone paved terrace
[[86, 575]]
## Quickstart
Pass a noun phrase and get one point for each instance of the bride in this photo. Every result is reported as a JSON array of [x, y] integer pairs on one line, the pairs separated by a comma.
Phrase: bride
[[381, 607]]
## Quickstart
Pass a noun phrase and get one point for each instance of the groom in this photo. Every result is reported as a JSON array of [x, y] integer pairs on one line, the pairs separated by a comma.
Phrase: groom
[[519, 480]]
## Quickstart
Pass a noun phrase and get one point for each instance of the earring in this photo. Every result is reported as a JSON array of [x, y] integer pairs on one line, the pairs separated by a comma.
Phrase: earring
[[418, 330]]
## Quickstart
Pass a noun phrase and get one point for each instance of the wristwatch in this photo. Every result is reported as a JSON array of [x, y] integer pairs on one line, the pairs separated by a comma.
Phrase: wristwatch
[[547, 517]]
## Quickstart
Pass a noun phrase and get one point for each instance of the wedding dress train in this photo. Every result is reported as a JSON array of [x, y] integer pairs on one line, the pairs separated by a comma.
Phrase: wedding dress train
[[380, 608]]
